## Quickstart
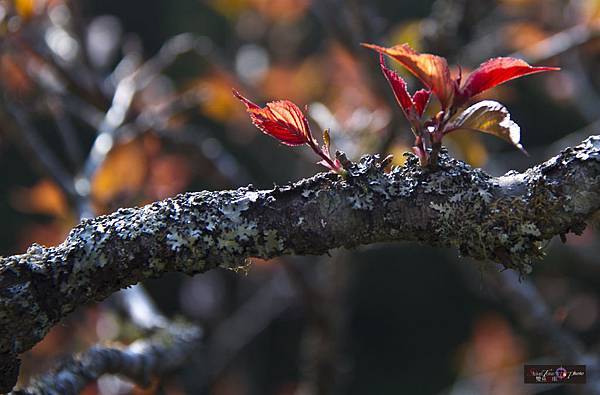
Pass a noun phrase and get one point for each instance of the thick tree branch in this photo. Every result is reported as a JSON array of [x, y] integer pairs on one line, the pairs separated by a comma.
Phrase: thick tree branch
[[504, 219]]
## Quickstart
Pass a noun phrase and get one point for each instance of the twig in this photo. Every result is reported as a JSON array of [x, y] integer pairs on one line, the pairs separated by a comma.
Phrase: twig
[[136, 304], [49, 162], [125, 91], [157, 122], [249, 320], [67, 132], [140, 362], [324, 334], [557, 44], [350, 26]]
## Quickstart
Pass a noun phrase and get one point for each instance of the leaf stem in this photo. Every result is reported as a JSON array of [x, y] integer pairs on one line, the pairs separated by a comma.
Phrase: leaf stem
[[312, 143]]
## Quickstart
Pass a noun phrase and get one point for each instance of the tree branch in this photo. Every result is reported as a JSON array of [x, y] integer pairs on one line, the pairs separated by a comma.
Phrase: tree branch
[[505, 219], [140, 361]]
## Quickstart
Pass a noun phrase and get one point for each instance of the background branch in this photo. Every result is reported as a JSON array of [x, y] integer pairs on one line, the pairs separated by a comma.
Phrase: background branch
[[140, 361]]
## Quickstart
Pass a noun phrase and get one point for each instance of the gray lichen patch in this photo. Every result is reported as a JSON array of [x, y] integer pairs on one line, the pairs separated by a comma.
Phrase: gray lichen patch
[[362, 201], [466, 208]]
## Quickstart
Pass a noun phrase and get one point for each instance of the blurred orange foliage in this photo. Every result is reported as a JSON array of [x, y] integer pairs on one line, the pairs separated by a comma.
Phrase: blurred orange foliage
[[520, 35], [230, 8], [469, 147], [493, 349], [169, 174], [494, 344], [122, 174], [46, 234], [45, 197], [282, 10], [298, 83], [218, 102], [275, 10], [349, 87], [13, 76], [408, 32], [398, 150], [26, 8]]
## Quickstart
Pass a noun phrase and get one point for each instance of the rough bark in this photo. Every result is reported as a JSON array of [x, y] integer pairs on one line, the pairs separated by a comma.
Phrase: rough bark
[[504, 219]]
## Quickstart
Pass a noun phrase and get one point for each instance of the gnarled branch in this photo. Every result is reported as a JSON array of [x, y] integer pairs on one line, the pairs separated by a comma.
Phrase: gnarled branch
[[504, 219]]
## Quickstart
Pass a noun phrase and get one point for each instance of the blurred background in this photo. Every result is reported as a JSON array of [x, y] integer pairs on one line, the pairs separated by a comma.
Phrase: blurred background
[[108, 104]]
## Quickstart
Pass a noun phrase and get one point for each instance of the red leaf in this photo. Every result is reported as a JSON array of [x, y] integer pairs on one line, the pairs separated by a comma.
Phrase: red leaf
[[398, 86], [420, 99], [417, 102], [432, 70], [280, 119], [495, 72]]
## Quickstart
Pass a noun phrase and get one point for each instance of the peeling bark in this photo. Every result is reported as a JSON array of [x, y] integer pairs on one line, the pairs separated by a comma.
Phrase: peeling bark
[[504, 219]]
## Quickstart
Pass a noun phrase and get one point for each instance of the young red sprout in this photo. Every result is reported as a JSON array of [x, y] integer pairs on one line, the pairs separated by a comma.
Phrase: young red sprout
[[285, 121], [433, 71]]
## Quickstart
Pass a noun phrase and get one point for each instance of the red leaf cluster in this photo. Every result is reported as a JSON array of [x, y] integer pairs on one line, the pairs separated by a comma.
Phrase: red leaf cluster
[[286, 122], [433, 71]]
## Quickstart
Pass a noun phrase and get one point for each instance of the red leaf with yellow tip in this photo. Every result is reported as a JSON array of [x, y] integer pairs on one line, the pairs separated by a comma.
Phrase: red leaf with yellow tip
[[495, 72], [432, 70], [280, 119]]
